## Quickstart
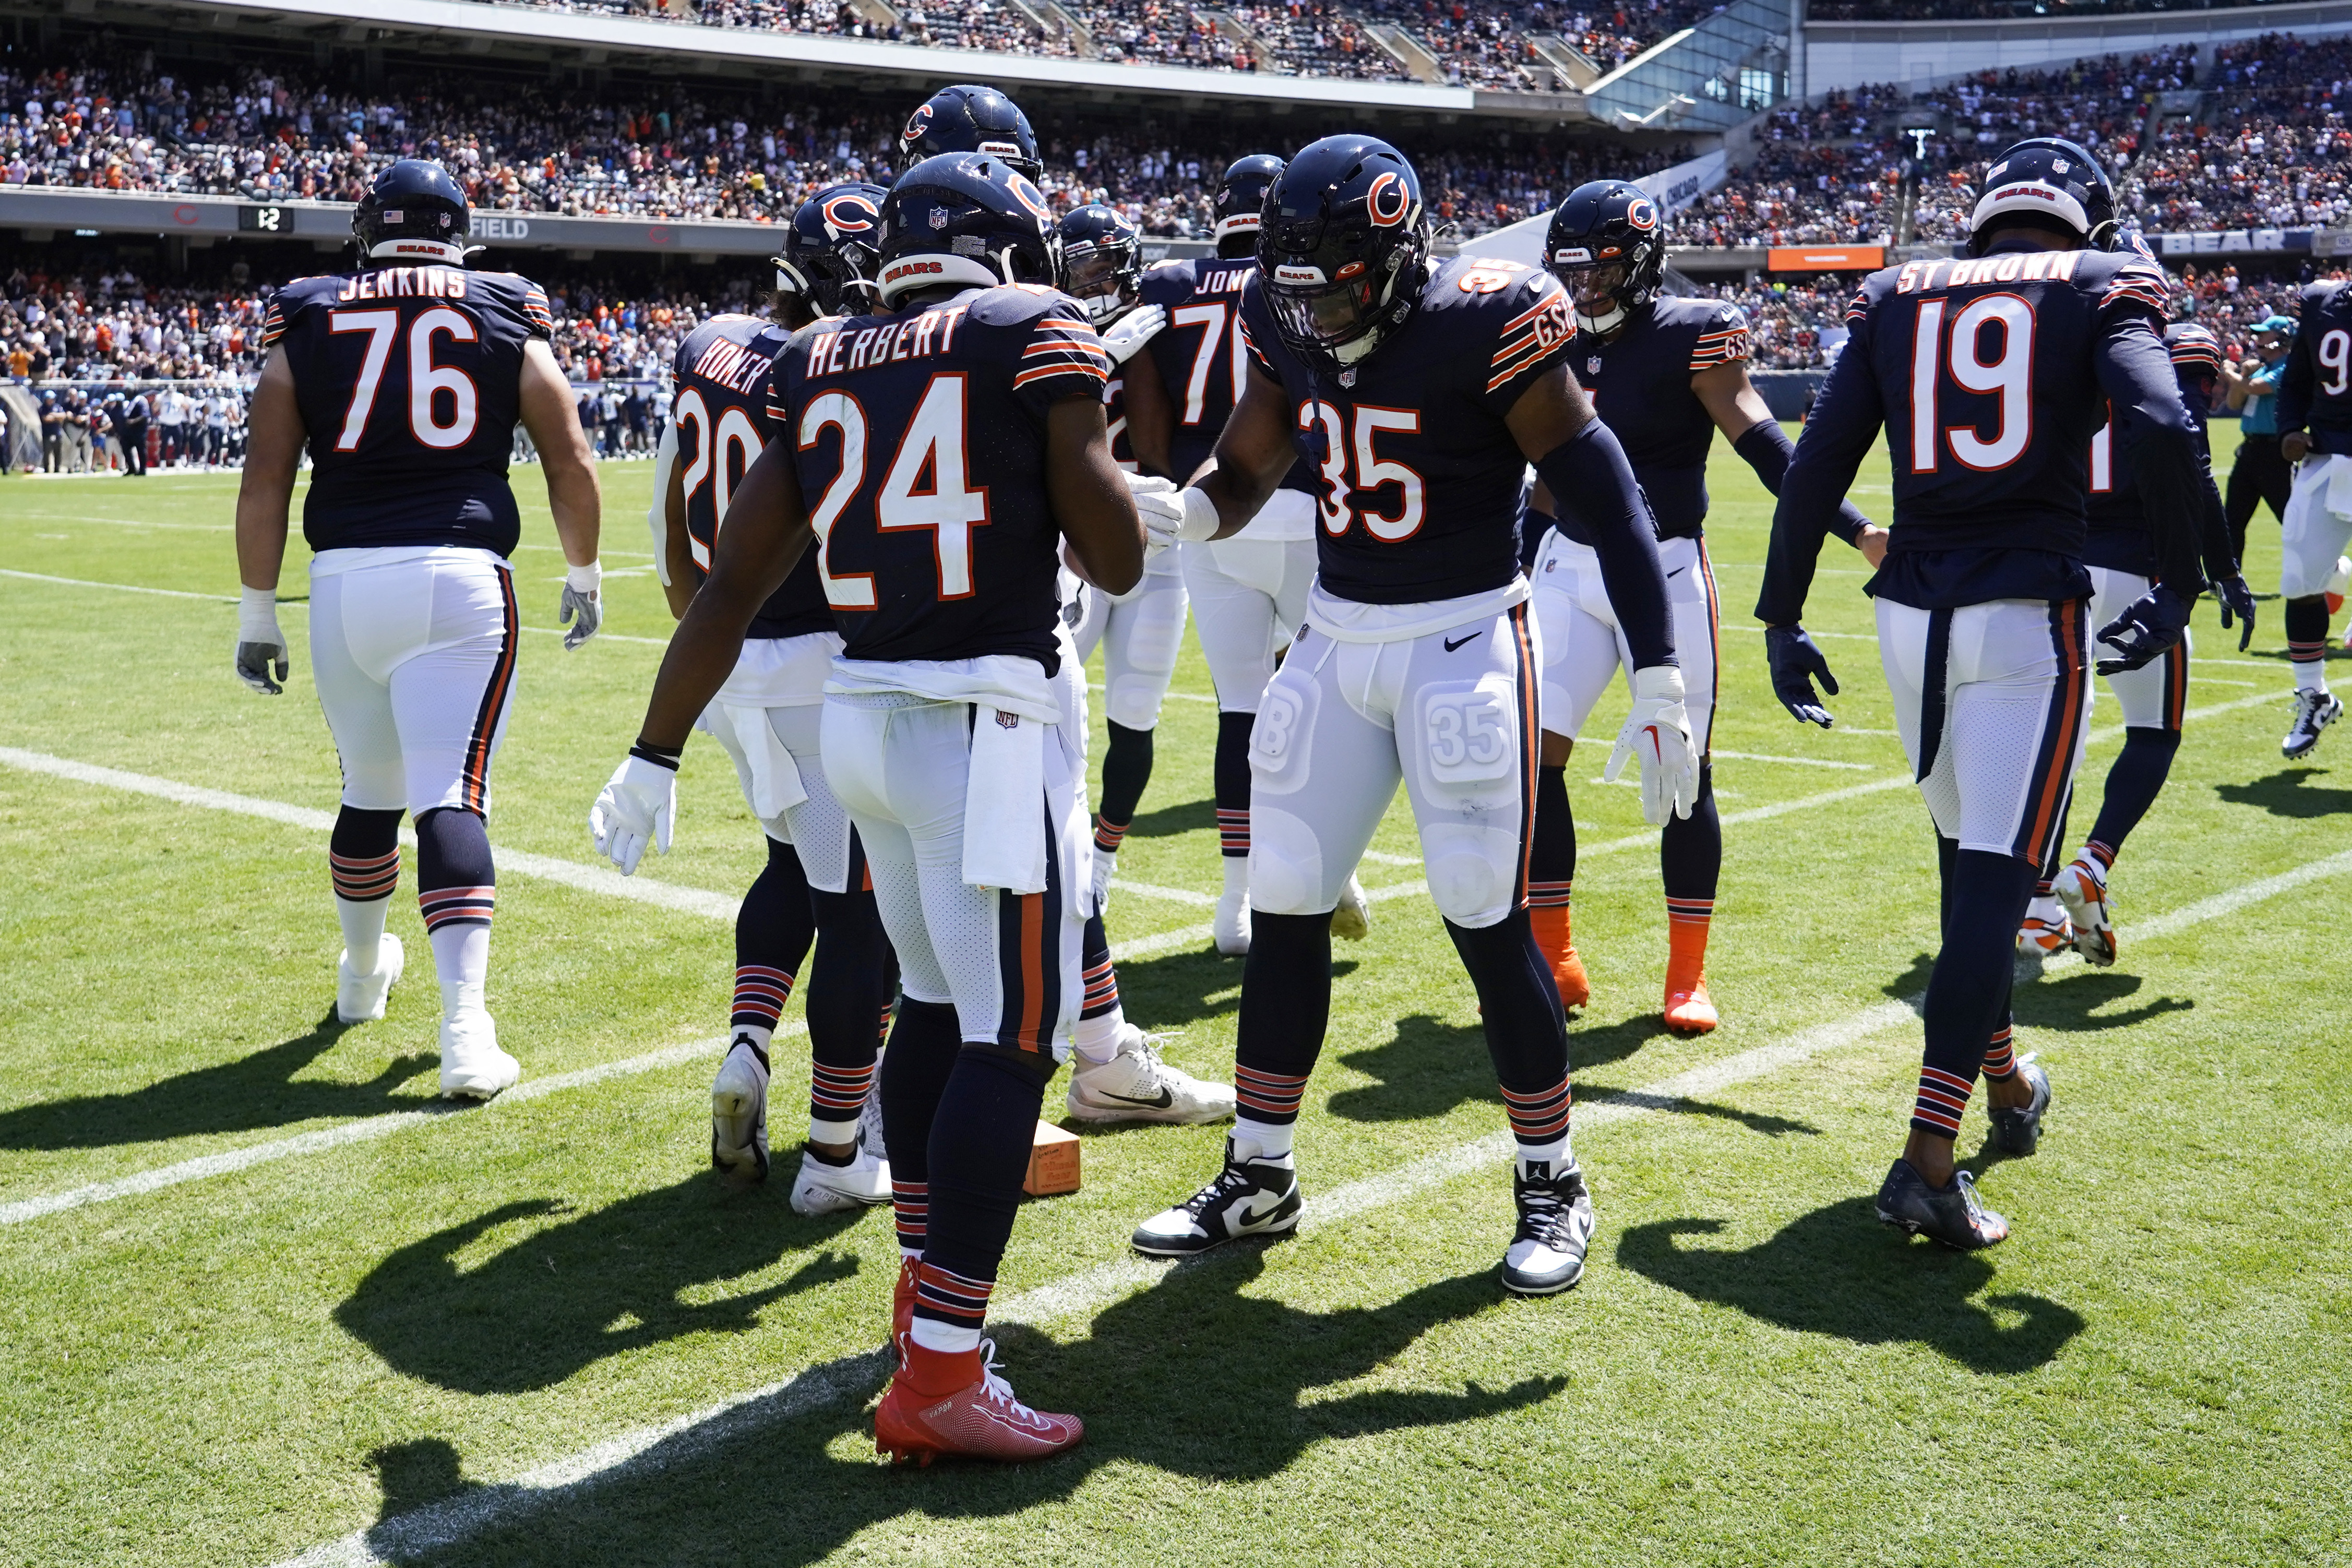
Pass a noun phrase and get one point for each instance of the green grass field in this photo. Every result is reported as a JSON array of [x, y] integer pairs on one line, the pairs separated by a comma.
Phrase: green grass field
[[527, 1332]]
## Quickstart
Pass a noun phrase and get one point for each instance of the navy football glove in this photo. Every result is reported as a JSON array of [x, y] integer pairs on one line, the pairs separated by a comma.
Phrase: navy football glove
[[2238, 600], [2148, 626], [1796, 664]]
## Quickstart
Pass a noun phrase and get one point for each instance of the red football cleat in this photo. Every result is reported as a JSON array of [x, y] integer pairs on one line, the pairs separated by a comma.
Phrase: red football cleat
[[944, 1403]]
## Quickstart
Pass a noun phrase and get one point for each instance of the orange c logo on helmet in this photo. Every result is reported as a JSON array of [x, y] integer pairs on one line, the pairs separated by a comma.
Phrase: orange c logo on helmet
[[1641, 213], [848, 215], [1028, 194], [916, 123], [1388, 200]]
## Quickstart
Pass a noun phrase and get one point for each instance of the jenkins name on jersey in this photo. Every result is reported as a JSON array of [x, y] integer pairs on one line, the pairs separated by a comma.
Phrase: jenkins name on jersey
[[1418, 479], [720, 408], [408, 381], [920, 454]]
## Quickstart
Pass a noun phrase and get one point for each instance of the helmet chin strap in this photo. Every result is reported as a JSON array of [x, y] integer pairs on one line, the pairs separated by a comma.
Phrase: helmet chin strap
[[1602, 325], [1355, 349]]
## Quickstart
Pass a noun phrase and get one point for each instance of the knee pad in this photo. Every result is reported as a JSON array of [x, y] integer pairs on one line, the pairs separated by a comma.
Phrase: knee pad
[[1473, 872], [1286, 864]]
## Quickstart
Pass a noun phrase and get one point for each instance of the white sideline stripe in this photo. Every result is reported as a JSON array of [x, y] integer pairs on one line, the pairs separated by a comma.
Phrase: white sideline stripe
[[366, 1130], [649, 1451], [291, 604], [1796, 761], [547, 868]]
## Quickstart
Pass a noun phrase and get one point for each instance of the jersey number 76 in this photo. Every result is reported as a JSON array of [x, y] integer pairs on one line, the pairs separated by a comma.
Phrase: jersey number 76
[[427, 382]]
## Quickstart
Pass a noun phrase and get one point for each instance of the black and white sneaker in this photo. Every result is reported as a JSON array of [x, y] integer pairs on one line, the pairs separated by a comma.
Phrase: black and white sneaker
[[1952, 1214], [2017, 1129], [739, 1112], [1249, 1198], [2314, 711], [1547, 1253]]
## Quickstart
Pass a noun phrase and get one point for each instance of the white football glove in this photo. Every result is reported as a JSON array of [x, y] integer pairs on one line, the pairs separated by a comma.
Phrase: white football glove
[[1173, 515], [1658, 732], [640, 804], [582, 609], [1125, 337], [259, 643]]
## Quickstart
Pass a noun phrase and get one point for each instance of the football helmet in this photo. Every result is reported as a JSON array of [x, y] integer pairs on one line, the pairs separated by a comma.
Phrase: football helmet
[[965, 219], [1607, 246], [1102, 257], [1344, 247], [829, 248], [969, 119], [1241, 198], [412, 211], [2055, 183]]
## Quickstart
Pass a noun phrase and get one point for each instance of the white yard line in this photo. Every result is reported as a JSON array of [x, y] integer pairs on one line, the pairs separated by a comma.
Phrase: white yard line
[[290, 603], [1170, 894], [1796, 761], [650, 1450]]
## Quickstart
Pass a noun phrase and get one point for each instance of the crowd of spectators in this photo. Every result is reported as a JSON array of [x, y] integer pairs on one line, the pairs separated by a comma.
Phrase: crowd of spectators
[[1970, 10], [269, 134], [1482, 42]]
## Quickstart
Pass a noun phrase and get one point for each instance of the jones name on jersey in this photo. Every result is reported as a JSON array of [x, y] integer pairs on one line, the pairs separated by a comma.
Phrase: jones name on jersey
[[407, 379], [1418, 480], [921, 442]]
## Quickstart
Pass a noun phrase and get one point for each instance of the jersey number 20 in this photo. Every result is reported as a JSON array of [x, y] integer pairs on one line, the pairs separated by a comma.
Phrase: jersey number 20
[[2008, 376], [427, 382]]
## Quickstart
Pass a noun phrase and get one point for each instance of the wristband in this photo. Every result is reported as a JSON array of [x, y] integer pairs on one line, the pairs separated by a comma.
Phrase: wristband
[[256, 615], [660, 756], [584, 579]]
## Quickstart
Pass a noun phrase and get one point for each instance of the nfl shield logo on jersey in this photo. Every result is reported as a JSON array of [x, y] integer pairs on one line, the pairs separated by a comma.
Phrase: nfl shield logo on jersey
[[1008, 720], [1592, 366], [1348, 377]]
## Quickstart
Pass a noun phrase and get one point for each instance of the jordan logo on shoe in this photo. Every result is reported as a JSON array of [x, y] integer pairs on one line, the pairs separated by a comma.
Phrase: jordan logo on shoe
[[1457, 642]]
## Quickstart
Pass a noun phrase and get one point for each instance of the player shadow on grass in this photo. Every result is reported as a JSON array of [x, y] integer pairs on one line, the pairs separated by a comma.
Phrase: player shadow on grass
[[2069, 1003], [1197, 1378], [249, 1095], [1168, 821], [2288, 793], [617, 1278], [1173, 989], [1838, 1271]]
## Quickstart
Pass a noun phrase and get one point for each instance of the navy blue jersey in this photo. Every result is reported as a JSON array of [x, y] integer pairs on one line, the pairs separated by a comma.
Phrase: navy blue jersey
[[2119, 537], [408, 381], [922, 444], [1203, 355], [2315, 388], [720, 408], [1640, 384], [1989, 376], [1418, 480]]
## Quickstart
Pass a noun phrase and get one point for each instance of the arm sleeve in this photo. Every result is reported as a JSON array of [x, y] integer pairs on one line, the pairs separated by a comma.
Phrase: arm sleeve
[[2136, 371], [1766, 448], [1060, 358], [1845, 421], [2214, 542], [2295, 377], [1588, 473]]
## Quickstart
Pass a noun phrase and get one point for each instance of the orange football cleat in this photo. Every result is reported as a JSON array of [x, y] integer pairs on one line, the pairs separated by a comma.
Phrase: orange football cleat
[[945, 1402], [1553, 941], [1689, 1009]]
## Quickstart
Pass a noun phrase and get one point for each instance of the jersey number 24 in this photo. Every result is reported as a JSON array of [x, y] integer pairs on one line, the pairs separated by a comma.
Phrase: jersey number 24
[[933, 446]]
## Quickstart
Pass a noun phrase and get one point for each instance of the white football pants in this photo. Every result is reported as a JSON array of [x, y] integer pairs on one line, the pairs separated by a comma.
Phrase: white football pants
[[2317, 525], [1008, 962], [1991, 702], [782, 679], [1583, 646], [1139, 632], [1451, 714], [414, 655], [1249, 598], [2153, 695]]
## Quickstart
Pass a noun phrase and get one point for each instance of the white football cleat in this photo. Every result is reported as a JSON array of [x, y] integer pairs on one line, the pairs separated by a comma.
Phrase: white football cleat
[[472, 1066], [2090, 910], [1105, 866], [822, 1188], [2045, 933], [1136, 1086], [1230, 928], [1353, 917], [358, 998], [739, 1113]]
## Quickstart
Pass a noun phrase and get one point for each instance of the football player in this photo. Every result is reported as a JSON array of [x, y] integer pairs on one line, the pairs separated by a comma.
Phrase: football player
[[814, 888], [969, 119], [405, 377], [1419, 390], [942, 449], [1988, 374], [1249, 590], [2123, 568], [2314, 421], [1141, 631], [1665, 374]]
